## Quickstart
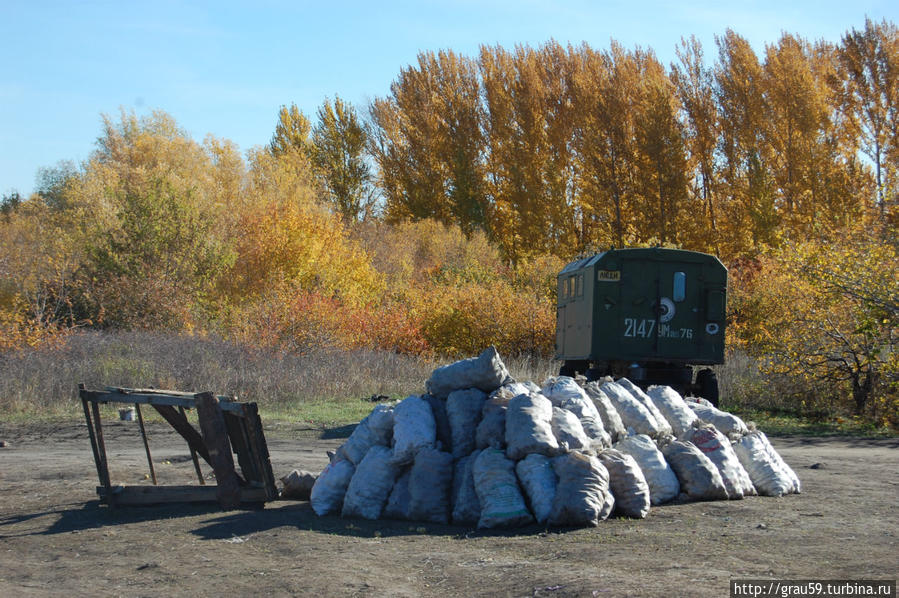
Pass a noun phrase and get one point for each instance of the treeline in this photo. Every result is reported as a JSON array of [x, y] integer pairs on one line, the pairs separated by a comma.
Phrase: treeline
[[435, 221], [558, 149], [159, 232]]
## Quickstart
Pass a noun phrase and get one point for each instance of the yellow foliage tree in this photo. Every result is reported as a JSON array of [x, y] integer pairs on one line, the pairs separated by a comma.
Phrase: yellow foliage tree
[[825, 314]]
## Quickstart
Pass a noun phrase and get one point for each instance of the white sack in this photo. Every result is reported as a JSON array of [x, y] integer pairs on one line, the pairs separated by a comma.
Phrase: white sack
[[567, 394], [663, 484], [796, 486], [582, 495], [502, 504], [535, 472], [766, 472], [414, 429], [766, 475], [529, 427], [699, 478], [463, 408], [486, 372], [491, 430], [444, 437], [633, 413], [562, 388], [568, 430], [376, 428], [371, 484], [397, 506], [673, 408], [627, 483], [699, 400], [466, 506], [611, 420], [430, 483], [510, 390], [646, 401], [330, 487], [728, 424], [717, 447]]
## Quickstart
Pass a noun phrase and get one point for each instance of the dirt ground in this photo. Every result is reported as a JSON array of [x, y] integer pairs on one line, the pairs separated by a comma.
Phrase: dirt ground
[[56, 539]]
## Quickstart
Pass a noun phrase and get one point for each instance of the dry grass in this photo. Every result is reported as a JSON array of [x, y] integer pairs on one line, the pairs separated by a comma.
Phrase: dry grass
[[42, 380], [324, 386]]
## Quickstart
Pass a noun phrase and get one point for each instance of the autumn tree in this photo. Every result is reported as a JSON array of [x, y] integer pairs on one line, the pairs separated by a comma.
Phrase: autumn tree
[[427, 143], [291, 133], [288, 240], [52, 182], [752, 215], [339, 143], [662, 182], [695, 87], [606, 91], [870, 64], [154, 224], [824, 315], [529, 124], [40, 258]]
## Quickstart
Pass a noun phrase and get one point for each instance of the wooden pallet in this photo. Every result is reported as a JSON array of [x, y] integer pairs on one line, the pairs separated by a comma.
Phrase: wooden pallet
[[225, 426]]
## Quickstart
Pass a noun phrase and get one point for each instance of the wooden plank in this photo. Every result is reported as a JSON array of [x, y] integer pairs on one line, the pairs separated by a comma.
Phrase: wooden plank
[[143, 435], [259, 449], [193, 453], [174, 393], [237, 433], [101, 449], [183, 427], [215, 435], [149, 495], [188, 402], [90, 431]]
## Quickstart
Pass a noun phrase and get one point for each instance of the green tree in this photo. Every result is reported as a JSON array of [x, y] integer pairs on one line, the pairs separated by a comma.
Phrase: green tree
[[339, 143], [152, 215], [9, 203]]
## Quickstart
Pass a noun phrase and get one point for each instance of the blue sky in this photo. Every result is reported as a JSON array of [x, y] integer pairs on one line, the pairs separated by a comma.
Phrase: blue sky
[[226, 67]]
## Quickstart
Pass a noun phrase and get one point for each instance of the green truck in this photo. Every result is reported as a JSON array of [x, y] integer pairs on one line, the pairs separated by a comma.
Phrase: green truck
[[651, 315]]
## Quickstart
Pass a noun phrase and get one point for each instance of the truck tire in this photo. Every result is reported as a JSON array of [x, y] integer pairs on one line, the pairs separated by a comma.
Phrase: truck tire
[[707, 381], [573, 368]]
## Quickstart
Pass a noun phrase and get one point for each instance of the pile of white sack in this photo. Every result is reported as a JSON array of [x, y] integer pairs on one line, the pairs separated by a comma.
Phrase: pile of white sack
[[482, 449]]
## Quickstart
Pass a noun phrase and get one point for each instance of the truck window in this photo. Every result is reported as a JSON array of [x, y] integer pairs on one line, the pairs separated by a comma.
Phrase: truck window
[[680, 287]]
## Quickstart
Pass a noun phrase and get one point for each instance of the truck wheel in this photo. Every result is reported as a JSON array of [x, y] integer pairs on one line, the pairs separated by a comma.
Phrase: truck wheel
[[573, 368], [707, 381]]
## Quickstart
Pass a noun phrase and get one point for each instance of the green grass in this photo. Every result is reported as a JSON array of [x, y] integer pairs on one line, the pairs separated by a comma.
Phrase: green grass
[[323, 414], [789, 424]]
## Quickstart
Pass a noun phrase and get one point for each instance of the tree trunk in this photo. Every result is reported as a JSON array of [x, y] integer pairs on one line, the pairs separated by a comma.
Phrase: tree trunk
[[861, 390]]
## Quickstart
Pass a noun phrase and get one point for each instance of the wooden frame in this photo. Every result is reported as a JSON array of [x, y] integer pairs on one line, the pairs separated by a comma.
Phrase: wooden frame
[[225, 425]]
